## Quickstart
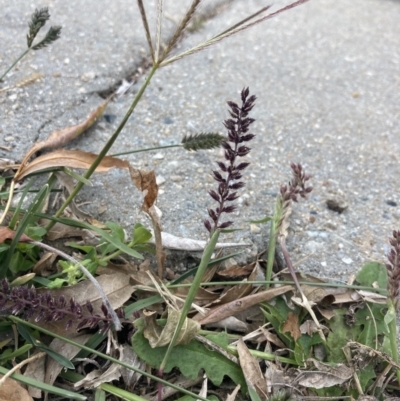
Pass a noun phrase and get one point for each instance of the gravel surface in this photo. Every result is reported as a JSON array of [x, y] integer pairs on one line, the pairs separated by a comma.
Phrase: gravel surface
[[327, 79]]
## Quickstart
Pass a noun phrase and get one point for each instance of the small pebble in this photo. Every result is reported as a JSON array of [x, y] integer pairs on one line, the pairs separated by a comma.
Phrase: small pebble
[[255, 229], [160, 180], [159, 156], [347, 260]]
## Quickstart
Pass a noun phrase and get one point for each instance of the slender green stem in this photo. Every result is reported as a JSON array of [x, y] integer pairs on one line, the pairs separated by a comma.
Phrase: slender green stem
[[177, 145], [107, 146], [205, 260], [15, 62], [271, 252], [104, 356], [393, 337]]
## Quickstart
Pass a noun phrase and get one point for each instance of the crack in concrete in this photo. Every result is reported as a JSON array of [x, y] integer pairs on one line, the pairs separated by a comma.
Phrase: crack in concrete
[[133, 74]]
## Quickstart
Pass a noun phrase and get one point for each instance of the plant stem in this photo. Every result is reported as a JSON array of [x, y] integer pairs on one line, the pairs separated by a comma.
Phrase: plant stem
[[192, 293], [15, 62], [107, 146], [392, 336], [177, 145], [271, 252]]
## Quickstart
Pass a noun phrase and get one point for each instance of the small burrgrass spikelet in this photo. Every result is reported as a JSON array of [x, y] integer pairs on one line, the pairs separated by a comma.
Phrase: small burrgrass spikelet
[[25, 301], [207, 140], [38, 20], [52, 35], [228, 180], [393, 268]]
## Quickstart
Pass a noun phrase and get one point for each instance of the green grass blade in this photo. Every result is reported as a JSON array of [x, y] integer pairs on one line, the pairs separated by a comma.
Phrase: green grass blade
[[44, 387], [123, 394]]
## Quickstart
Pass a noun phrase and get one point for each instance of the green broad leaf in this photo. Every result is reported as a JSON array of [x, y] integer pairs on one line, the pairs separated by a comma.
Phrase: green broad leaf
[[373, 272], [303, 347], [189, 359], [340, 334], [35, 233], [116, 230], [334, 391], [141, 235], [277, 315], [390, 315], [371, 323], [365, 375], [18, 263]]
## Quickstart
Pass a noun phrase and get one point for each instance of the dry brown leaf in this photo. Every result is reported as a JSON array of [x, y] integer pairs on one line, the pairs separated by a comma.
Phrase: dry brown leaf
[[115, 371], [326, 376], [45, 265], [53, 368], [230, 323], [63, 231], [237, 271], [159, 336], [203, 296], [271, 337], [232, 396], [11, 390], [6, 233], [71, 159], [36, 370], [221, 312], [145, 182], [292, 326], [58, 139], [251, 370]]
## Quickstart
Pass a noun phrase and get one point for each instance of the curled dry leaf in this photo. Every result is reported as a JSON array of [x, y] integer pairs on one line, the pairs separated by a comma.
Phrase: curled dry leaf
[[251, 370], [58, 139], [71, 159], [221, 312], [6, 233], [159, 336], [53, 368], [291, 325], [45, 266], [11, 390], [326, 376], [145, 182], [115, 371]]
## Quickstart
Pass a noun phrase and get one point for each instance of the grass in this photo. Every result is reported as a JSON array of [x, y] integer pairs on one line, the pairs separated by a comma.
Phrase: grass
[[122, 319]]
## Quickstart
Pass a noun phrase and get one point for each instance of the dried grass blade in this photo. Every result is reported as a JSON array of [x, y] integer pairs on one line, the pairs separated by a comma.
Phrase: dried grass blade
[[146, 28]]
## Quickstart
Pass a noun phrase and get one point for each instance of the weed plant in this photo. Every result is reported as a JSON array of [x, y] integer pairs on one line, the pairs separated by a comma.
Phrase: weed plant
[[25, 304]]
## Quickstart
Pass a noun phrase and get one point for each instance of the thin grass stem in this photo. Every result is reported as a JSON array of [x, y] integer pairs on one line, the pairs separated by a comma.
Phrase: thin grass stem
[[14, 63], [106, 148]]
